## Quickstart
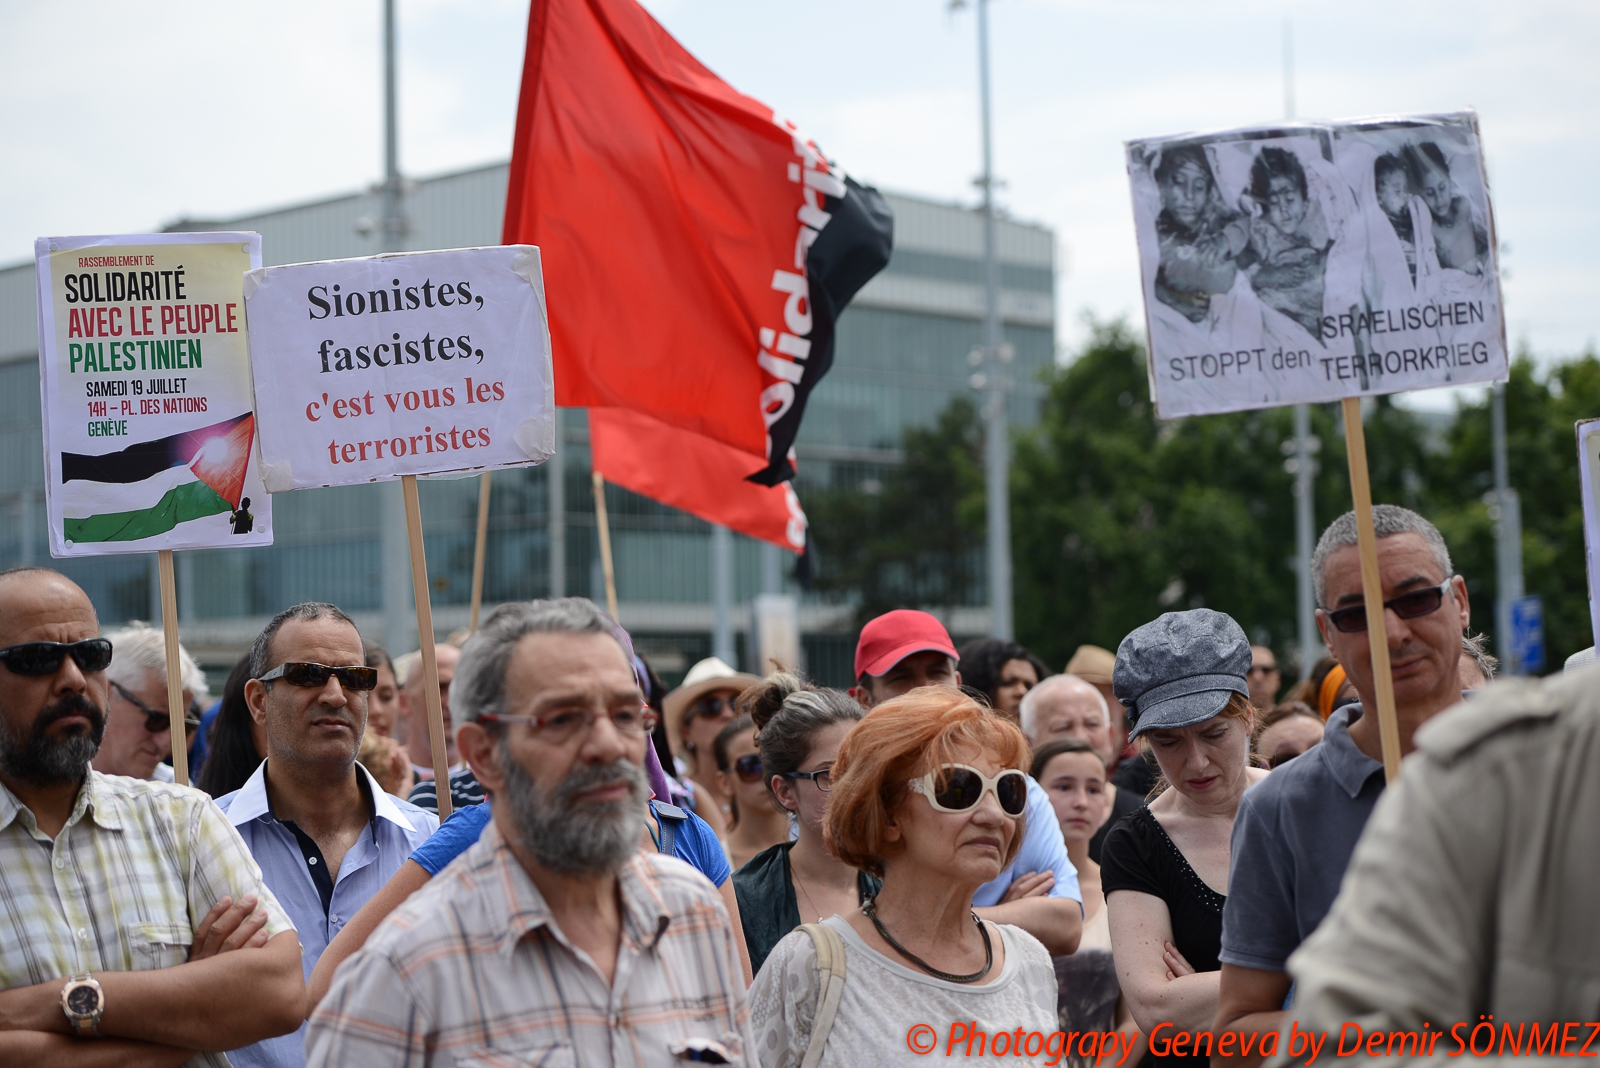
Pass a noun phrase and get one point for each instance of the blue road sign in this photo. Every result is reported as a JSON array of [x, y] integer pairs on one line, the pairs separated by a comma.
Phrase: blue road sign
[[1527, 634]]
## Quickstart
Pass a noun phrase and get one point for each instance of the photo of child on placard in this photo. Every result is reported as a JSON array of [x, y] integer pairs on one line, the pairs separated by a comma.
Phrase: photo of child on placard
[[1313, 261]]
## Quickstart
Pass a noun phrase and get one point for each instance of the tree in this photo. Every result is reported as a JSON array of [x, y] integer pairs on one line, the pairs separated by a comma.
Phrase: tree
[[1542, 458], [1119, 516]]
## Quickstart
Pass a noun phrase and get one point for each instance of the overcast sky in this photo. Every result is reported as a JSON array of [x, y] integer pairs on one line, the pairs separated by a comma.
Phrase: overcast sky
[[123, 117]]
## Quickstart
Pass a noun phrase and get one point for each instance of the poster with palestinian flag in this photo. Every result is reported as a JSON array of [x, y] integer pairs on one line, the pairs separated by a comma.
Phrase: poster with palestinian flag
[[149, 416]]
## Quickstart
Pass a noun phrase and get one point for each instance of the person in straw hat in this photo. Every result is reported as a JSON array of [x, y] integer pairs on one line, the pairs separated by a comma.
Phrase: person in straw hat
[[695, 712]]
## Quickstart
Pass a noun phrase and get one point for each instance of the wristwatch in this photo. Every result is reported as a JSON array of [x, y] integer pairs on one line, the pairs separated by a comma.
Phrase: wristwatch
[[83, 1001]]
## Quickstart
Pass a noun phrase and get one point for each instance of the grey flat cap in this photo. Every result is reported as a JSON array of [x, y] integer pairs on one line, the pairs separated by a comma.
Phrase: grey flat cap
[[1180, 669]]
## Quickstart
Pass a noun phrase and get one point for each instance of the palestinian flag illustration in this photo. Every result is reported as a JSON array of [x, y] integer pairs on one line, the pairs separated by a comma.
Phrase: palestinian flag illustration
[[150, 487]]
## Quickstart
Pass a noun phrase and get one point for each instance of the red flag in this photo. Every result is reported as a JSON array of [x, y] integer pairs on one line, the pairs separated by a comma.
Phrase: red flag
[[697, 248], [703, 477]]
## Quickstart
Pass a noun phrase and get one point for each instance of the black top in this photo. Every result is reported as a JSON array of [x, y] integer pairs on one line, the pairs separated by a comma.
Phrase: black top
[[1139, 856], [1123, 803], [768, 909], [1136, 774]]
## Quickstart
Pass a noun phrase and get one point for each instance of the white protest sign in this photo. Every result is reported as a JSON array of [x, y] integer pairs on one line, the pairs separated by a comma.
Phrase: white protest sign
[[406, 364], [144, 381], [1308, 262], [1589, 476]]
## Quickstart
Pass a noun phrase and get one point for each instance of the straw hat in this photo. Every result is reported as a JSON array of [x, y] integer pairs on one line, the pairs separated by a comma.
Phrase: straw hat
[[708, 676], [1092, 664]]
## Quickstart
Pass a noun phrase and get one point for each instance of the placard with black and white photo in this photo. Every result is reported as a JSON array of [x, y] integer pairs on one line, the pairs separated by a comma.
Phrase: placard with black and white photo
[[1315, 261]]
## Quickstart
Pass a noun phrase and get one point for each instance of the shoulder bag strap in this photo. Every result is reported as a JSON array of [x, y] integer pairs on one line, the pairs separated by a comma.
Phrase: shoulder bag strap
[[830, 970], [667, 819]]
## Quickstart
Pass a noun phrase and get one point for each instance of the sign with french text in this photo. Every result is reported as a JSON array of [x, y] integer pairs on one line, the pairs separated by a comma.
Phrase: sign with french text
[[1308, 262], [144, 381], [406, 364]]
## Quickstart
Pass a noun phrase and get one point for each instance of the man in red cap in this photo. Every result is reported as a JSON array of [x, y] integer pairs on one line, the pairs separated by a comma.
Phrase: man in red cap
[[904, 649]]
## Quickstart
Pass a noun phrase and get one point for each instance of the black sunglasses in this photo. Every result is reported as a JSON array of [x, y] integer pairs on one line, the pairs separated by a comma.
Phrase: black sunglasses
[[156, 720], [44, 658], [1353, 619], [748, 767], [709, 706], [316, 676]]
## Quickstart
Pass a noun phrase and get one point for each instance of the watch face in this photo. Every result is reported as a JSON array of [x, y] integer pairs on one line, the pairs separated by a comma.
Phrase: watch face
[[83, 1000]]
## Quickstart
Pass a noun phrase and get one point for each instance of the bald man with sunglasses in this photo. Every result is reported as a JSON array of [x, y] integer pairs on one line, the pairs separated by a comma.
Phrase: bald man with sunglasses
[[1296, 830], [114, 887]]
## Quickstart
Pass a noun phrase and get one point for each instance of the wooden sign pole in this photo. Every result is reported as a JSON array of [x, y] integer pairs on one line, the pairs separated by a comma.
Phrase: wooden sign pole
[[1372, 587], [430, 663], [175, 706], [605, 542], [479, 550]]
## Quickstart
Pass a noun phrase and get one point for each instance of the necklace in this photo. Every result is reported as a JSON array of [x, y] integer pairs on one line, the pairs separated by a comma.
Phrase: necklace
[[800, 886], [871, 911]]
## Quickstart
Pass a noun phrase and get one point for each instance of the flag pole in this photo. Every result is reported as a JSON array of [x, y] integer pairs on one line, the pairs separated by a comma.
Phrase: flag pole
[[477, 556], [169, 629], [604, 525], [1372, 587], [430, 663]]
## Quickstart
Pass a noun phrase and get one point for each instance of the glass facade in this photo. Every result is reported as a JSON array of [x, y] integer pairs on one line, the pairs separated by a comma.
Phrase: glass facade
[[902, 354]]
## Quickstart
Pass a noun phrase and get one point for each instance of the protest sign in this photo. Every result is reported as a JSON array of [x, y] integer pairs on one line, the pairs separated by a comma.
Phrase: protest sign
[[1589, 475], [1308, 262], [402, 365], [407, 364], [144, 381]]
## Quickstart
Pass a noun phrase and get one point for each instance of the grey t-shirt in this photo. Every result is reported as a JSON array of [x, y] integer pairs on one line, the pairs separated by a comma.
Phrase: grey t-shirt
[[1292, 841]]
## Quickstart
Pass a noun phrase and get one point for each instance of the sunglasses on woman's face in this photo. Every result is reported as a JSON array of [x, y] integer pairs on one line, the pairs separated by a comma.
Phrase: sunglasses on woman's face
[[1413, 605], [958, 788], [45, 658], [710, 707], [748, 767]]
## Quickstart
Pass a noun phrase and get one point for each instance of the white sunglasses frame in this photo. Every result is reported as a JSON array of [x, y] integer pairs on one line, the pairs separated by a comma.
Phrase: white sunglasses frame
[[927, 786]]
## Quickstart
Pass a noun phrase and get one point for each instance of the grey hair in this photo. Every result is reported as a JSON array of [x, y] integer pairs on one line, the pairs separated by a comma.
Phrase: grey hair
[[1387, 521], [139, 656], [1477, 647], [1030, 700], [479, 686], [261, 658]]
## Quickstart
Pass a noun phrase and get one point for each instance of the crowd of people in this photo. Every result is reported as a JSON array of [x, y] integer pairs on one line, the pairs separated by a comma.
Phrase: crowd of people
[[963, 853]]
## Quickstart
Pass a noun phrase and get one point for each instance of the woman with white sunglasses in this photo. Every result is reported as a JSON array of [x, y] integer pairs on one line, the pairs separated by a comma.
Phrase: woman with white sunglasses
[[928, 793]]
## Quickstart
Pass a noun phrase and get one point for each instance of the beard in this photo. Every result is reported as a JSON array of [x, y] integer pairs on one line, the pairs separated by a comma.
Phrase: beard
[[39, 760], [573, 837]]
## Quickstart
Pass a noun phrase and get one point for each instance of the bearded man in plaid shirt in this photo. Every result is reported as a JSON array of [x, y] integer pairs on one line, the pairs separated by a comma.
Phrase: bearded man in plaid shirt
[[138, 931], [555, 939]]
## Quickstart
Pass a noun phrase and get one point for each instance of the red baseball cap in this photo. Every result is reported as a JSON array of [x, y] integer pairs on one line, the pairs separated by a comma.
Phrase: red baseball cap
[[893, 636]]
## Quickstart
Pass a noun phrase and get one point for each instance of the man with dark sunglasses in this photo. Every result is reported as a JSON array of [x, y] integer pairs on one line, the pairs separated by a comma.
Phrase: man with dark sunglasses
[[138, 736], [116, 889], [1296, 830], [325, 833]]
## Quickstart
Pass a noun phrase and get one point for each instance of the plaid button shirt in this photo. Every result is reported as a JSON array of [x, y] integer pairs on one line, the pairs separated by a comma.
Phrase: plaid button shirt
[[122, 887], [473, 970]]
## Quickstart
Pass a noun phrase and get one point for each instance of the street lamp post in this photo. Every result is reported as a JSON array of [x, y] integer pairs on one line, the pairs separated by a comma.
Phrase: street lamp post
[[994, 381]]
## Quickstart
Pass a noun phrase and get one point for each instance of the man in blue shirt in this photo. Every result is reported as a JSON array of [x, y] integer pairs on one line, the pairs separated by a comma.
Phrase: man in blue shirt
[[324, 833], [904, 649], [1297, 828]]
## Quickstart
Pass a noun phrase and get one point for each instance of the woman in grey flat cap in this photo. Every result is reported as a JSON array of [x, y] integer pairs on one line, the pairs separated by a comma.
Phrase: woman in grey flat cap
[[1164, 869]]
